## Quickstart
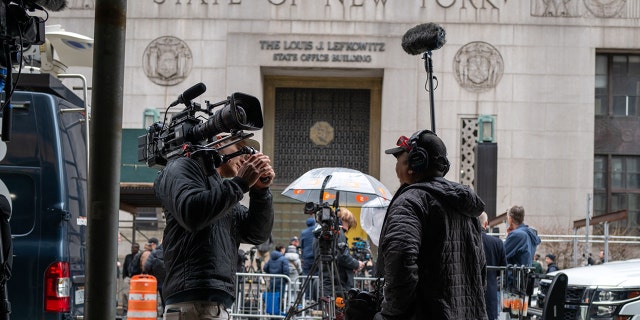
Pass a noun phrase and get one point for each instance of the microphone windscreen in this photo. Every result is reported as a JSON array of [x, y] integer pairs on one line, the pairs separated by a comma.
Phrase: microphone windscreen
[[194, 92], [423, 37], [53, 5]]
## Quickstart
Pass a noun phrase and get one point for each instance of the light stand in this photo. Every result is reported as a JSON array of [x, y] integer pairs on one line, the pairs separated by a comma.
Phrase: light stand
[[428, 65]]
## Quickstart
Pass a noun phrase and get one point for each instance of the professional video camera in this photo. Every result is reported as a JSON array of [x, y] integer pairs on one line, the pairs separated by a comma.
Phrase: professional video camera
[[328, 220], [188, 134], [18, 29], [360, 249]]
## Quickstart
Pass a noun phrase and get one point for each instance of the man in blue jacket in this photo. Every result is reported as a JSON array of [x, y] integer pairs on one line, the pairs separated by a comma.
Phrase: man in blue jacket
[[306, 244], [522, 241]]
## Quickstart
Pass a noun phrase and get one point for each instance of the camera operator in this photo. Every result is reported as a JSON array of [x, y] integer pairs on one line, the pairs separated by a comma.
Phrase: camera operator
[[206, 224]]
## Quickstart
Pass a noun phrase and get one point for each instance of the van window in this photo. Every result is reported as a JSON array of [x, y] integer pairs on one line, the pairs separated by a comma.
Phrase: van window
[[22, 201], [23, 148]]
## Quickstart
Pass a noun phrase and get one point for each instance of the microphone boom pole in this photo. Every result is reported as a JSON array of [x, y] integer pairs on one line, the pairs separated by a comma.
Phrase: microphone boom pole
[[425, 38], [428, 65]]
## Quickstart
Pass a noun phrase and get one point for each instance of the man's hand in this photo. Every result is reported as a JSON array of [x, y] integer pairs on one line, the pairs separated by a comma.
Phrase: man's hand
[[257, 166]]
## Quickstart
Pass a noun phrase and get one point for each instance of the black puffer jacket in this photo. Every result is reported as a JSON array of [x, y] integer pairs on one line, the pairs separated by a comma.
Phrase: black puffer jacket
[[205, 226], [431, 254]]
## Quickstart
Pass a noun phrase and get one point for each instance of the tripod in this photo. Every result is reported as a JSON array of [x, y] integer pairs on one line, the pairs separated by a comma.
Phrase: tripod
[[325, 261], [248, 294]]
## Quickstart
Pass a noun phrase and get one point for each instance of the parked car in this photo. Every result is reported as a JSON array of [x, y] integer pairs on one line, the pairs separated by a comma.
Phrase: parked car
[[605, 292]]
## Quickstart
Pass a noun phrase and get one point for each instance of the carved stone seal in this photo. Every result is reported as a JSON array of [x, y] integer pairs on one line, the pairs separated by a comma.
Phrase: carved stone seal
[[167, 61], [478, 66], [605, 8]]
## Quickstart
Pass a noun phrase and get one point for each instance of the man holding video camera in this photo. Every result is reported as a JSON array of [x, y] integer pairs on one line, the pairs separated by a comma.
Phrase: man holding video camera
[[206, 224]]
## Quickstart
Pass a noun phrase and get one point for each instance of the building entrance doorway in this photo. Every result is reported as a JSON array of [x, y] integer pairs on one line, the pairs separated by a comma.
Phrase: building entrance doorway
[[327, 122], [318, 122]]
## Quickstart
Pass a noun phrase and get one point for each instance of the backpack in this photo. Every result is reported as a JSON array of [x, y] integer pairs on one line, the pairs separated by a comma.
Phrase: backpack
[[134, 266]]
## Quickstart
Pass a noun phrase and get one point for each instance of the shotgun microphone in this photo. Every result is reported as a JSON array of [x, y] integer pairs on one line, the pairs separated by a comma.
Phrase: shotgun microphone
[[423, 37], [190, 94]]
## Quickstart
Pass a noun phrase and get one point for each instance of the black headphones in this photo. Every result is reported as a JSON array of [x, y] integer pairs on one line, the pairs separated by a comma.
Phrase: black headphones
[[419, 157]]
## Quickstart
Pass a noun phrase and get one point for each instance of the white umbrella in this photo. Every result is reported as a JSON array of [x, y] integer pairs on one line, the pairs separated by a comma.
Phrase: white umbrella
[[371, 218], [352, 187]]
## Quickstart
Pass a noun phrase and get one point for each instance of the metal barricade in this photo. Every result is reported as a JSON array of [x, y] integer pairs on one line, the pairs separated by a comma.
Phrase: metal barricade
[[515, 290], [256, 299], [261, 296]]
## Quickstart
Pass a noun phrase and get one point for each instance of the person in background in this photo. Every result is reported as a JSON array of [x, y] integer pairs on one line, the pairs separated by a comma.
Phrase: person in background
[[294, 241], [306, 245], [277, 264], [535, 263], [430, 250], [601, 256], [295, 268], [522, 241], [346, 263], [494, 252], [151, 245], [550, 259], [135, 248]]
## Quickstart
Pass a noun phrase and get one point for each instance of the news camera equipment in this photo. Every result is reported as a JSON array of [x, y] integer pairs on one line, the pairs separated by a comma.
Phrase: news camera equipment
[[327, 217], [18, 31], [188, 134], [361, 250], [422, 39]]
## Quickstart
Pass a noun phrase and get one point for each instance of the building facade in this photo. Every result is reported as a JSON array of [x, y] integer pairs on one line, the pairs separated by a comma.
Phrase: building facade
[[337, 88]]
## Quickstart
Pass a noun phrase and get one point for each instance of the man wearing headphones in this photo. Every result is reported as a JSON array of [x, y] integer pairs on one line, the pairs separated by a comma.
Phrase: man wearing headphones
[[430, 252]]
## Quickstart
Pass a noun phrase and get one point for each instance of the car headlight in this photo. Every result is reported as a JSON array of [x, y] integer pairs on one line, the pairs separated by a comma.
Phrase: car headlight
[[614, 295], [605, 302]]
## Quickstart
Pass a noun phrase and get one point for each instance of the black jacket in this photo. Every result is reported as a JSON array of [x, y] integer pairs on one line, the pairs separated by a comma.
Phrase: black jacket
[[494, 252], [205, 226], [431, 255]]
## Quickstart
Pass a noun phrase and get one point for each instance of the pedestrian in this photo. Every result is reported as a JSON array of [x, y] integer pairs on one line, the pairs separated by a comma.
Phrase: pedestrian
[[294, 241], [205, 223], [277, 265], [430, 251], [494, 252], [295, 268], [589, 258], [306, 245], [535, 263], [149, 247], [601, 256], [522, 241], [135, 248], [550, 259]]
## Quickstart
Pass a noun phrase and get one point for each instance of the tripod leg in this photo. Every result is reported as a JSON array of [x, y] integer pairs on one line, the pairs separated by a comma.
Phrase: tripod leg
[[292, 309]]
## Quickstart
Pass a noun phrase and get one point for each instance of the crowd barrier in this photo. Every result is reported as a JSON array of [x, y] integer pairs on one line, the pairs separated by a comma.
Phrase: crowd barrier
[[257, 299]]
